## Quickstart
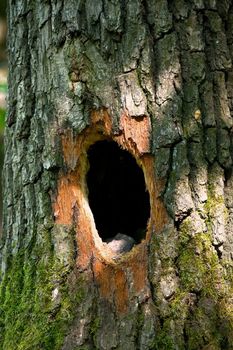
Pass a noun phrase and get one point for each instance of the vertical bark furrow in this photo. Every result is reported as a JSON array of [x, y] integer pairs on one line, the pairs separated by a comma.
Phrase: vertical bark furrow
[[156, 78]]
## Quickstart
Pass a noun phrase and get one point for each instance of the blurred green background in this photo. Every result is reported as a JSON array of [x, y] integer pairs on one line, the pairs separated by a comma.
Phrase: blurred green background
[[3, 88]]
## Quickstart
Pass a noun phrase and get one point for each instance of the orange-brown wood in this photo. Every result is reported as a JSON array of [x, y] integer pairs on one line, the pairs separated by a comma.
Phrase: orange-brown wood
[[121, 291], [135, 133], [67, 194], [71, 207], [102, 120]]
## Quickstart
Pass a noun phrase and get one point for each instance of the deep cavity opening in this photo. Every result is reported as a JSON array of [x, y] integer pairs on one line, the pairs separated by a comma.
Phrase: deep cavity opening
[[117, 192]]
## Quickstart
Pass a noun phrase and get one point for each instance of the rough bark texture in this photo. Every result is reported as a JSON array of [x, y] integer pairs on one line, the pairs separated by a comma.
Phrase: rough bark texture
[[157, 78]]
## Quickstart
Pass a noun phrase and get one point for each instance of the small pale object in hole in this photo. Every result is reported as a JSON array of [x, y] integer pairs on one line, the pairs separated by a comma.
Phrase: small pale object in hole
[[121, 243]]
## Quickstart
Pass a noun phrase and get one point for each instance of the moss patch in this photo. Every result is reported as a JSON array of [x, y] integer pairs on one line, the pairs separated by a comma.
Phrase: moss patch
[[199, 266], [36, 305], [2, 119]]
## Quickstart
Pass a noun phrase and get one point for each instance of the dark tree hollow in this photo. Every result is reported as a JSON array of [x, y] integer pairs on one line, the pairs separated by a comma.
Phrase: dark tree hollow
[[117, 192]]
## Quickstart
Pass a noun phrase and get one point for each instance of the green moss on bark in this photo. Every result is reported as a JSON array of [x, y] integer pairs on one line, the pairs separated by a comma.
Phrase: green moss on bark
[[36, 305]]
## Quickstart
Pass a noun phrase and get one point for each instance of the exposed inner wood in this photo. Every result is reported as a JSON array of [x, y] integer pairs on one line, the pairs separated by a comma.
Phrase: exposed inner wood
[[72, 206]]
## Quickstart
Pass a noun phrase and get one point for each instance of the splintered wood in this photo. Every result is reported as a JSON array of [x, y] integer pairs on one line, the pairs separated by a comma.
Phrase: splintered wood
[[118, 280], [135, 133]]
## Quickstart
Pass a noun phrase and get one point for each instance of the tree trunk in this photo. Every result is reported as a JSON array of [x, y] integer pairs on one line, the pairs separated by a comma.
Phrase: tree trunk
[[154, 78]]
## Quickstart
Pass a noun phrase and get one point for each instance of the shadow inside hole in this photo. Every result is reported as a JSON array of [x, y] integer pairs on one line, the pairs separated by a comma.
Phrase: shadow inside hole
[[117, 192]]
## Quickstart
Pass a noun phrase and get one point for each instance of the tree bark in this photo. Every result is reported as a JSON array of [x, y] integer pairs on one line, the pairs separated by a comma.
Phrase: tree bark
[[155, 77]]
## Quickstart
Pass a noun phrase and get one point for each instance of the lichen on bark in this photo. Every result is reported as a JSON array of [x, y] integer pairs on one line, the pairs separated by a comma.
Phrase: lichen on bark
[[157, 79]]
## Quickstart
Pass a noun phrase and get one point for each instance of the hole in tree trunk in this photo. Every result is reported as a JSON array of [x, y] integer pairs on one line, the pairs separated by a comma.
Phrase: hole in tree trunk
[[117, 192]]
